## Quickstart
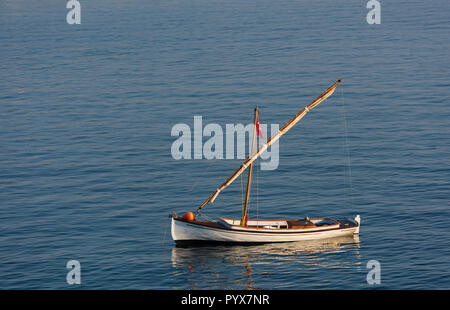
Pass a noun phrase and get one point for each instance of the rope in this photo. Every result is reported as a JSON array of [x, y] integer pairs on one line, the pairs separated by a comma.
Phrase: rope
[[257, 194], [347, 147]]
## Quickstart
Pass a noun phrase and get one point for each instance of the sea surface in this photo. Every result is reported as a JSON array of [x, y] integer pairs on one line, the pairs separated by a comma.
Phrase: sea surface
[[86, 114]]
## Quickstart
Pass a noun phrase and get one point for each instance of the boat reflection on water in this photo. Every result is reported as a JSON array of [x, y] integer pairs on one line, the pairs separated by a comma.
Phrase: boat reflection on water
[[265, 266]]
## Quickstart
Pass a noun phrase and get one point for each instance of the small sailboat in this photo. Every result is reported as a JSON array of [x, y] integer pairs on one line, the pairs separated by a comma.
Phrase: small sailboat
[[190, 228]]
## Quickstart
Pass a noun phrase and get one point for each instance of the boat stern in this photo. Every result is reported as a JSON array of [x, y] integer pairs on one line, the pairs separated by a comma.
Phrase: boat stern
[[358, 221], [351, 224]]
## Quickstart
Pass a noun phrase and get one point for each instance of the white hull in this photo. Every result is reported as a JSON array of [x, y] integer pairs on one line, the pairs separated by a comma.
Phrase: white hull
[[185, 231]]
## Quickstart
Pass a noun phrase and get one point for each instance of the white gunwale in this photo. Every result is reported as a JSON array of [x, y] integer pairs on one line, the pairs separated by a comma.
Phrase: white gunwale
[[212, 231]]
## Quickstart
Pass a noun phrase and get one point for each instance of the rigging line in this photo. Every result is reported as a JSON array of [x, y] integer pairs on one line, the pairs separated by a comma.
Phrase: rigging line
[[347, 147], [258, 167], [184, 197], [257, 192]]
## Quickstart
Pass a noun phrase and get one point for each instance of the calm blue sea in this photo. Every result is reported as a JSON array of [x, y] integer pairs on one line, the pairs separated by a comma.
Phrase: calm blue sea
[[86, 113]]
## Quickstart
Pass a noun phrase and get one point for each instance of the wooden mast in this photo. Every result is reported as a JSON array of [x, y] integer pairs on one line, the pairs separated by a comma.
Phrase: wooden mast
[[249, 178], [270, 141]]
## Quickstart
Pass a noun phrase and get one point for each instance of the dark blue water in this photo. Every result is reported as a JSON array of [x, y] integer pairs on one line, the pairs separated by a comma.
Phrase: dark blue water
[[86, 112]]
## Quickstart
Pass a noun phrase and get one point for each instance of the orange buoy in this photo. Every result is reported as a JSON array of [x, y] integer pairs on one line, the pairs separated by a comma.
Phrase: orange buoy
[[189, 216]]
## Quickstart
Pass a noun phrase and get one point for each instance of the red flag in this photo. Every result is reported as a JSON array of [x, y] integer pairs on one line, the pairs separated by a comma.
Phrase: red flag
[[258, 129]]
